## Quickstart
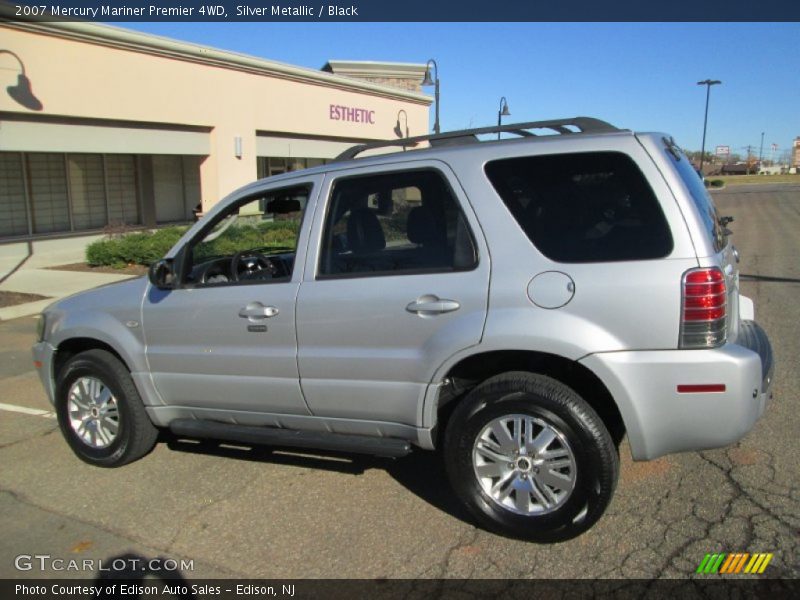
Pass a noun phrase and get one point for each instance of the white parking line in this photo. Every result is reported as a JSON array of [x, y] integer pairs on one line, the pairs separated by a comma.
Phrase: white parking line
[[28, 411]]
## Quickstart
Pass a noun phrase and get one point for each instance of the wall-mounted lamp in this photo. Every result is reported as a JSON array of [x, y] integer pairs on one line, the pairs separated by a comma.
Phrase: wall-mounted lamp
[[427, 81], [237, 146], [503, 112], [398, 130], [22, 92]]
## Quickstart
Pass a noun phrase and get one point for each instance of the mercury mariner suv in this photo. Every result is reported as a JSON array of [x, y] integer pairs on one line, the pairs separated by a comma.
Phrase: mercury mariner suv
[[521, 304]]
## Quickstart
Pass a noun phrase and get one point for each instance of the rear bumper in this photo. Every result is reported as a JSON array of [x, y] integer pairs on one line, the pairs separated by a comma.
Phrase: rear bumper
[[660, 420]]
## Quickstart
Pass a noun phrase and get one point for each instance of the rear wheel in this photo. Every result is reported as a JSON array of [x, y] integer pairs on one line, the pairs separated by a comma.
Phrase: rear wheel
[[530, 458], [100, 411]]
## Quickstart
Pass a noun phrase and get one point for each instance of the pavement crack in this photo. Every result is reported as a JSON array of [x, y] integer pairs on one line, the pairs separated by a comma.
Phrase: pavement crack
[[25, 500], [29, 439], [194, 516]]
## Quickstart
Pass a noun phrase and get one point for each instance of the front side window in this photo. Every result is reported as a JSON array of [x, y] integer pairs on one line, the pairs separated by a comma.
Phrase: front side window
[[393, 224], [253, 241], [587, 207]]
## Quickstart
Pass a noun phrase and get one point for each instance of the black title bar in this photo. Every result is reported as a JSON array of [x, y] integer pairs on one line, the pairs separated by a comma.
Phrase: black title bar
[[405, 10]]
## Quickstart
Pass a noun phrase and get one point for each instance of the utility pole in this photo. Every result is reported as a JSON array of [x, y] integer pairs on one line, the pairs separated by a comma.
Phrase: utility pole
[[749, 149], [761, 151]]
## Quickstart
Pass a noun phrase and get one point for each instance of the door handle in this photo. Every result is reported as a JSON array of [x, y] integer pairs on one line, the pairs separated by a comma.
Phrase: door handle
[[432, 305], [256, 310]]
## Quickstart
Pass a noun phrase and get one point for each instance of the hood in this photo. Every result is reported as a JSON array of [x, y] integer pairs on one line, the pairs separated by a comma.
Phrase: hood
[[117, 295], [100, 309]]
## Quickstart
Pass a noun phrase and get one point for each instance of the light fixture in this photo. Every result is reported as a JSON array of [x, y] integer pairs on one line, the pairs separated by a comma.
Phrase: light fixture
[[22, 92], [503, 112], [237, 146], [708, 83], [398, 130], [427, 81]]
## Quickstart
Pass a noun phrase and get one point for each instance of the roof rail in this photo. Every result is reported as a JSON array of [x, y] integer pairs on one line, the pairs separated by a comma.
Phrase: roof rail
[[467, 136]]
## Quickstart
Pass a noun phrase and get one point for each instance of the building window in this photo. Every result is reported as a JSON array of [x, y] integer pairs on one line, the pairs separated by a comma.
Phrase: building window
[[269, 166], [46, 193], [48, 187], [13, 209], [87, 190], [121, 191]]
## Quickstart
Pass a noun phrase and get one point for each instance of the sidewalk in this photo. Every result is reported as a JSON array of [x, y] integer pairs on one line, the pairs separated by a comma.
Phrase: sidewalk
[[34, 277]]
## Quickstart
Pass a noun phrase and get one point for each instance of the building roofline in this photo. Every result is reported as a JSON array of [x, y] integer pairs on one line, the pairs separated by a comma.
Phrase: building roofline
[[117, 37], [367, 68]]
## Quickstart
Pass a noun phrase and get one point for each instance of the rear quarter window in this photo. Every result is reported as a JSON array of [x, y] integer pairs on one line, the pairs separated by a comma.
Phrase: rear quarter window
[[699, 195], [584, 207]]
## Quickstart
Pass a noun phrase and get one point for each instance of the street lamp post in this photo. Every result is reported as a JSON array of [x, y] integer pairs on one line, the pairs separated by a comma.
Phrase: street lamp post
[[708, 83], [502, 112], [427, 81]]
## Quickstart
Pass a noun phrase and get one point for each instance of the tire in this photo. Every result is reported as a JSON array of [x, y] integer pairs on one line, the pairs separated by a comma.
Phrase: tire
[[553, 489], [100, 413]]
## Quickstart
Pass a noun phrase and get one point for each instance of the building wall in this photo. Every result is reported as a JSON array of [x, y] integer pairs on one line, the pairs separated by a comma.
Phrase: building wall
[[106, 91], [796, 152]]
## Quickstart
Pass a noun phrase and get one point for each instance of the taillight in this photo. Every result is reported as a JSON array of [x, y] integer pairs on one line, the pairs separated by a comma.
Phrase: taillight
[[703, 309]]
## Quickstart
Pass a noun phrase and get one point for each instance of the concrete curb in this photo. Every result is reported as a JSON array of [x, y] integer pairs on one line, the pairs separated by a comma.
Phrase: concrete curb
[[53, 284], [25, 310]]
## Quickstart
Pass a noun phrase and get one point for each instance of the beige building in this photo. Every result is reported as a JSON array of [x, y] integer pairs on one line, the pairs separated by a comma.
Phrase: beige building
[[796, 153], [101, 126]]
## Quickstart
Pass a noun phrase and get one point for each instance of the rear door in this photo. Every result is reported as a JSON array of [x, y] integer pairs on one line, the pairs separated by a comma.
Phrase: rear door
[[397, 284]]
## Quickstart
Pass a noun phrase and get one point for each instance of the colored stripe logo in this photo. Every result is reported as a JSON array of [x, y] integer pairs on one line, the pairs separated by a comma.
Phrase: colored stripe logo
[[734, 563]]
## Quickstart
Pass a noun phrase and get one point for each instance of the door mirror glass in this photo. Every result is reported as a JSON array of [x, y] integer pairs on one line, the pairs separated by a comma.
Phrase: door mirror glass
[[162, 274]]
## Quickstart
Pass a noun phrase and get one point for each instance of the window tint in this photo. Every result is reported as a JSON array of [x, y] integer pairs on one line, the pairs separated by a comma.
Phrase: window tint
[[700, 196], [390, 224], [252, 241], [588, 207]]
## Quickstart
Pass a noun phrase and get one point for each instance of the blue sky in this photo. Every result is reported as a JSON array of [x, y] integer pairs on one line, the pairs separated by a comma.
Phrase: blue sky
[[638, 76]]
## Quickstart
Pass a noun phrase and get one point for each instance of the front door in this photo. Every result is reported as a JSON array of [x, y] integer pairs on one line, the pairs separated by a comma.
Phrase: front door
[[399, 283], [225, 337]]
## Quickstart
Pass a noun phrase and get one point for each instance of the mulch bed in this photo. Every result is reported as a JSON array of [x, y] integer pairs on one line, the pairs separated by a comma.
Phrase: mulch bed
[[128, 270], [14, 298]]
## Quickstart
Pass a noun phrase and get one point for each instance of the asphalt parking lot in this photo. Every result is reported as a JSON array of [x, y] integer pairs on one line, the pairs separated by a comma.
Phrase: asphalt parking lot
[[244, 512]]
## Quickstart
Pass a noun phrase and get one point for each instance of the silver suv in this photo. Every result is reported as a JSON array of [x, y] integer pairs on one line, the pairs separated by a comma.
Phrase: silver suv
[[522, 304]]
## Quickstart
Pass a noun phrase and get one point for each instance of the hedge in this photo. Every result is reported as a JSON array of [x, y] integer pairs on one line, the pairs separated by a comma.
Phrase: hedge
[[144, 248]]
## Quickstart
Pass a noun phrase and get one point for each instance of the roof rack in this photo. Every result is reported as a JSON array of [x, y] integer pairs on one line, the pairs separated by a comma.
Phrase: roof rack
[[469, 136]]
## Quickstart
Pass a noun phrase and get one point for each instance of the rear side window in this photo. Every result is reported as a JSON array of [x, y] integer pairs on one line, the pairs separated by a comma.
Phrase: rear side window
[[587, 207], [395, 224]]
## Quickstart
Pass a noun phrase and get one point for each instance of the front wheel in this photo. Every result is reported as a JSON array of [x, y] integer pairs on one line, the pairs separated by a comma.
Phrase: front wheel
[[100, 412], [530, 459]]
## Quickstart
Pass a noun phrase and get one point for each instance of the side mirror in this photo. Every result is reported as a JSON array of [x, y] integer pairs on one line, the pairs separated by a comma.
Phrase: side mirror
[[162, 274]]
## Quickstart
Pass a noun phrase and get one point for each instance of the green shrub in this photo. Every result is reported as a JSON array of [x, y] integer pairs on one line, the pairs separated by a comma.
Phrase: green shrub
[[144, 248], [716, 183], [266, 235], [140, 248]]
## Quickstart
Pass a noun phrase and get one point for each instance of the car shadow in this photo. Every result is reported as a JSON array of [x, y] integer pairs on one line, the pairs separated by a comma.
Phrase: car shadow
[[138, 572], [421, 472], [767, 278]]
